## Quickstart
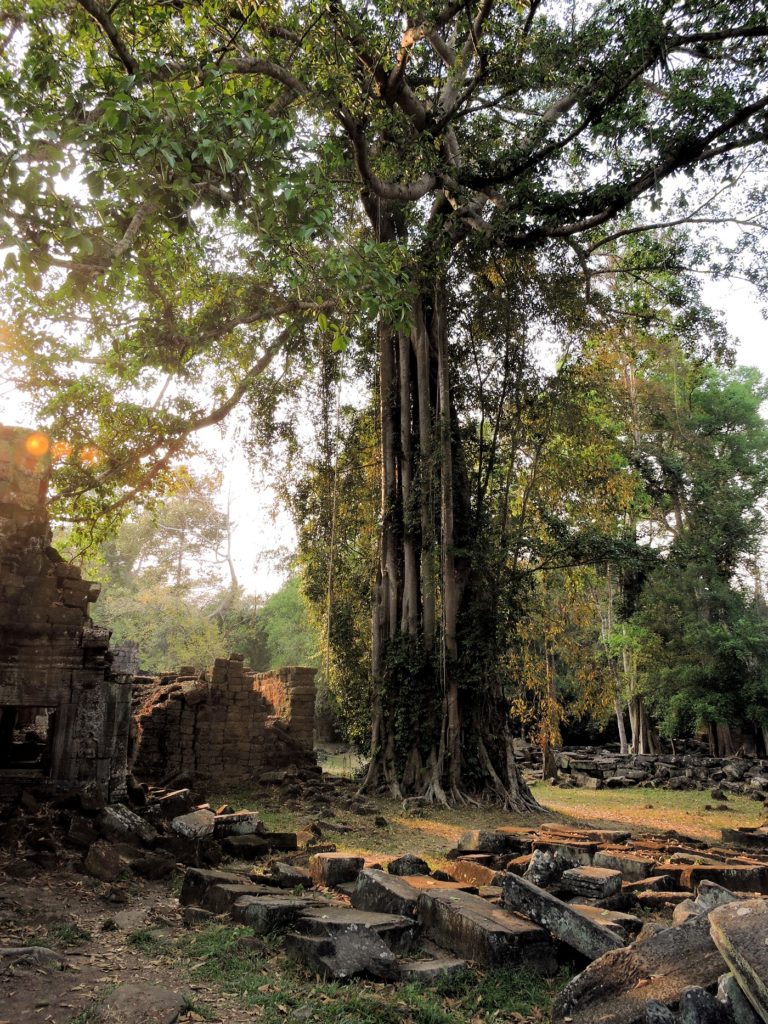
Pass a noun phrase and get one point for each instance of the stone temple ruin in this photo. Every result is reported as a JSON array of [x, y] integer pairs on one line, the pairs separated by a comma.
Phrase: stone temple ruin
[[226, 726], [67, 700], [64, 717]]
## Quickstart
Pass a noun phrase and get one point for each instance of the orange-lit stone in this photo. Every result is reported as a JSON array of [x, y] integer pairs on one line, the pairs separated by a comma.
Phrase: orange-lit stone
[[37, 444]]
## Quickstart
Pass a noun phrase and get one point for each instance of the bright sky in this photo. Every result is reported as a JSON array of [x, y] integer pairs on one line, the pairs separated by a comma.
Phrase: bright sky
[[262, 530]]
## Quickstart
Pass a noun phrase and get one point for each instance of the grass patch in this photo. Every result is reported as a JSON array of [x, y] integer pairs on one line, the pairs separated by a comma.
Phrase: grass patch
[[260, 976], [647, 809], [64, 933], [147, 941]]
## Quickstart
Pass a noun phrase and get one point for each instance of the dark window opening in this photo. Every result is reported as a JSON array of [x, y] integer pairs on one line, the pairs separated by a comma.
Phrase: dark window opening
[[26, 735]]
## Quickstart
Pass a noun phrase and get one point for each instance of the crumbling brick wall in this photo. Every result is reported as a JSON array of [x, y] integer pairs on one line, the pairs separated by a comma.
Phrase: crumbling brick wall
[[227, 728], [51, 655]]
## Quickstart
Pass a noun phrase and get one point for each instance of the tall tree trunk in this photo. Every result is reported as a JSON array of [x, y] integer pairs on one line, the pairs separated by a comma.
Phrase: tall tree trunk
[[623, 744], [433, 738]]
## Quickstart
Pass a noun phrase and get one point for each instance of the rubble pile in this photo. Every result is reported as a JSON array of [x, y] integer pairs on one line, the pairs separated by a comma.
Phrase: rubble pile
[[592, 768], [647, 918]]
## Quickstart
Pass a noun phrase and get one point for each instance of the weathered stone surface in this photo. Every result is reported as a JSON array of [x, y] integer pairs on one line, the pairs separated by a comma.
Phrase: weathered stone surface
[[267, 913], [470, 927], [103, 861], [395, 930], [566, 924], [616, 987], [653, 883], [752, 839], [197, 882], [711, 895], [384, 893], [542, 869], [697, 1006], [652, 900], [740, 930], [289, 876], [175, 803], [590, 881], [568, 853], [221, 897], [427, 971], [119, 822], [246, 847], [658, 1013], [135, 1003], [466, 870], [344, 955], [741, 877], [408, 864], [196, 825], [632, 867], [734, 1000], [685, 910], [625, 925], [240, 823], [333, 868], [480, 841]]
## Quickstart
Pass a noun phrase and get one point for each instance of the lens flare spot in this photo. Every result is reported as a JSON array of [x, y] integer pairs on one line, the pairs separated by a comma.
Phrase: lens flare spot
[[89, 455], [61, 450], [37, 444]]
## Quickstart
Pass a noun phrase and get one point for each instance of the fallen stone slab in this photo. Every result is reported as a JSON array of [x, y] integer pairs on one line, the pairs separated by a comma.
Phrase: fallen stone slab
[[740, 931], [221, 898], [344, 955], [240, 823], [384, 893], [617, 987], [428, 971], [175, 803], [698, 1006], [197, 825], [597, 883], [396, 931], [282, 842], [474, 929], [408, 864], [134, 1003], [197, 882], [482, 841], [632, 867], [290, 876], [246, 846], [268, 913], [117, 821], [685, 910], [751, 839], [735, 1002], [654, 883], [331, 869], [741, 877], [519, 840], [652, 900], [568, 853], [464, 869], [625, 925], [560, 919], [711, 895], [590, 835]]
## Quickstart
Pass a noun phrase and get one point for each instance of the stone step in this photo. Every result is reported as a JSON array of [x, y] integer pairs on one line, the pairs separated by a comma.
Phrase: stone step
[[472, 928], [197, 882], [428, 971], [268, 913], [397, 931]]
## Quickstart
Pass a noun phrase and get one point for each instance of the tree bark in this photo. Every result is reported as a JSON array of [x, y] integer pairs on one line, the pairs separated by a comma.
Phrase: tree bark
[[433, 739]]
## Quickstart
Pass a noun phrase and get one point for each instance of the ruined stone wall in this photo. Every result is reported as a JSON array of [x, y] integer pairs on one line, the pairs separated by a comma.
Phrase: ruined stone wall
[[226, 729], [51, 654]]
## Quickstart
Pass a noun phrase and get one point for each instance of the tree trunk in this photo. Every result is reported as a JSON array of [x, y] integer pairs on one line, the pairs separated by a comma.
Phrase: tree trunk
[[434, 737], [623, 744]]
